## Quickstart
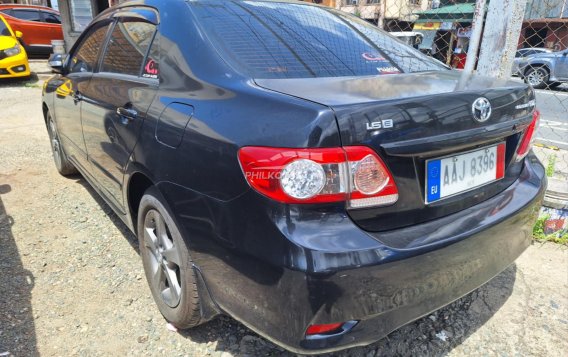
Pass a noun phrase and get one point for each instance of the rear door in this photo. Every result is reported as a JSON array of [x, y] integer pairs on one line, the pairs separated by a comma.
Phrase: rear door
[[52, 23], [562, 66], [117, 98]]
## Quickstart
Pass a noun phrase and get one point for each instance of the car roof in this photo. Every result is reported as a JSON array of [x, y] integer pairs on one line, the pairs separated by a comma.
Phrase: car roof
[[27, 7]]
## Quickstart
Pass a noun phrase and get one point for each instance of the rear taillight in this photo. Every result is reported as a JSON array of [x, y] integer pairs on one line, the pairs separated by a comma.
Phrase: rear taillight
[[353, 174], [528, 137], [324, 329]]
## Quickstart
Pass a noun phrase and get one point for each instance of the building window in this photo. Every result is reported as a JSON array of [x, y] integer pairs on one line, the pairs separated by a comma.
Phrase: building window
[[351, 2], [373, 2], [414, 2], [81, 14]]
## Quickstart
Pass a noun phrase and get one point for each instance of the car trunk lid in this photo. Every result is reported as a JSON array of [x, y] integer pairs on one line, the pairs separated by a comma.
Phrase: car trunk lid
[[412, 118]]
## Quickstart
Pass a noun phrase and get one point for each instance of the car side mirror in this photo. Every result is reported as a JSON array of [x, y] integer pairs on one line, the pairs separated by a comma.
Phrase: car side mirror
[[19, 34], [56, 62]]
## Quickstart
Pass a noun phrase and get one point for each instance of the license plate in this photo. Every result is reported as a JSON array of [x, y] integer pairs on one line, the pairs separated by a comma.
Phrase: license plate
[[452, 175]]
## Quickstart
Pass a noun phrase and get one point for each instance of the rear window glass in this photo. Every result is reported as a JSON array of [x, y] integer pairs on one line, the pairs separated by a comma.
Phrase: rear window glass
[[51, 18], [127, 47], [283, 40]]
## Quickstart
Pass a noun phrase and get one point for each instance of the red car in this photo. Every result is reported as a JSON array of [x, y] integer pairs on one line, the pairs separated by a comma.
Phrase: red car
[[38, 24]]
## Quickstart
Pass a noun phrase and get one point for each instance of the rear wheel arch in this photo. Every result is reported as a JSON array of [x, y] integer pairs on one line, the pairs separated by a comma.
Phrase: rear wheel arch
[[537, 65], [137, 185]]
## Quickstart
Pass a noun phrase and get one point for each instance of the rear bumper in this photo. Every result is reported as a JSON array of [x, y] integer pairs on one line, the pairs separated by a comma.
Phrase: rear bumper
[[332, 271], [385, 297]]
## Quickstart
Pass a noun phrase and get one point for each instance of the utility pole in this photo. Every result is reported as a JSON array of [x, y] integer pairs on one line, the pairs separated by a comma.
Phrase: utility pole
[[381, 19], [501, 37], [474, 41]]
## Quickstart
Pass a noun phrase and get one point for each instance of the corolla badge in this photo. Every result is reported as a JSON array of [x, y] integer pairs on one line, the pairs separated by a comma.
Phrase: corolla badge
[[481, 109]]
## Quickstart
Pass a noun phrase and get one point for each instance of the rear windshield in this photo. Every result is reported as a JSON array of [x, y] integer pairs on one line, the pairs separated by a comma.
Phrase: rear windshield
[[283, 40]]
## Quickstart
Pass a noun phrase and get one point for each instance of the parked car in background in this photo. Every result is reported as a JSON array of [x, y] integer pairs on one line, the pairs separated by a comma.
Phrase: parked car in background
[[38, 24], [13, 57], [522, 53], [545, 70], [294, 166]]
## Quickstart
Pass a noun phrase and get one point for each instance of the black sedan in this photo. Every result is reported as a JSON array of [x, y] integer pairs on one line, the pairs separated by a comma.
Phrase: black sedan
[[293, 166]]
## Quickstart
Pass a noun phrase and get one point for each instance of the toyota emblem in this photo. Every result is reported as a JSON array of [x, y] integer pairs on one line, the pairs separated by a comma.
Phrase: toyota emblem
[[481, 109]]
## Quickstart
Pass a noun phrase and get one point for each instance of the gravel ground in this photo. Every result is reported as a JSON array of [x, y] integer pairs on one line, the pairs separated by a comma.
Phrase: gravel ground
[[71, 281]]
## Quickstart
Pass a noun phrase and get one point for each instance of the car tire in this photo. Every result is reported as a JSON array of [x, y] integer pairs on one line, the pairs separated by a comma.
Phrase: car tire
[[62, 163], [537, 77], [167, 263]]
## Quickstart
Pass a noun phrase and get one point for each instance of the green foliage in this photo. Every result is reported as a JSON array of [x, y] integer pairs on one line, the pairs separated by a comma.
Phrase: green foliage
[[550, 166], [539, 235]]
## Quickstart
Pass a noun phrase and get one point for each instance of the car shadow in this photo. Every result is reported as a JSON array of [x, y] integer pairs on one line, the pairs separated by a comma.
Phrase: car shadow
[[436, 334], [560, 89], [115, 219], [31, 82], [17, 327]]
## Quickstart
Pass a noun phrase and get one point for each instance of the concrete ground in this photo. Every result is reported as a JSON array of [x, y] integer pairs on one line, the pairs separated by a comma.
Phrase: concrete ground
[[556, 162]]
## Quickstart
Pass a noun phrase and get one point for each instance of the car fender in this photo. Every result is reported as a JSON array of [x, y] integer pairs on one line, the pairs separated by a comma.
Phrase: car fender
[[132, 168]]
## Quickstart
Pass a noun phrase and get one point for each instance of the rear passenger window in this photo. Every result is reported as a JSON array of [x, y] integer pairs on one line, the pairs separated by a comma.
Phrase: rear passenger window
[[51, 18], [28, 15], [85, 58], [127, 47]]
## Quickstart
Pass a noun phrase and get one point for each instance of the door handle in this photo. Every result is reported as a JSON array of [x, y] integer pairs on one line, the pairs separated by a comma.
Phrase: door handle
[[77, 97], [126, 114]]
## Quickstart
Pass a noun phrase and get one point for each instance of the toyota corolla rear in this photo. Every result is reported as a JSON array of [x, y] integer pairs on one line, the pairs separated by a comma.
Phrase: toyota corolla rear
[[429, 191]]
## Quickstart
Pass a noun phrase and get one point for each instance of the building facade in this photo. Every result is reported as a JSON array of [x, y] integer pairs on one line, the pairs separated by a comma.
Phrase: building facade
[[330, 3], [391, 15], [77, 14], [545, 25], [446, 29]]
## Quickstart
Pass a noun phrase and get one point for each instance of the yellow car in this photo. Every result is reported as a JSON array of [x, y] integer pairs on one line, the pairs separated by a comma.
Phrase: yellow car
[[13, 57]]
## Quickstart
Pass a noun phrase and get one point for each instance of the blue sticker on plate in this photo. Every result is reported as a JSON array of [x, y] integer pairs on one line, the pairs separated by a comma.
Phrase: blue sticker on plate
[[433, 180]]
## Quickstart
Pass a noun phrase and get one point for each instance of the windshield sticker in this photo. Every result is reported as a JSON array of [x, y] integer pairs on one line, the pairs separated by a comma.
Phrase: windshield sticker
[[150, 69], [373, 57], [277, 69], [388, 70]]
